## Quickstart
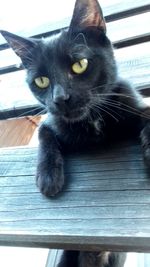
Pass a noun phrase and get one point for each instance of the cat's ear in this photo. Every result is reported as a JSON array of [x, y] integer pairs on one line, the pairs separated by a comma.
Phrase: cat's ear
[[21, 46], [87, 13]]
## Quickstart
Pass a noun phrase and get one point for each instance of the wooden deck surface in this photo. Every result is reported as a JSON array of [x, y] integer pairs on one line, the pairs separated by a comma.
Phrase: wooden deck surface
[[105, 203]]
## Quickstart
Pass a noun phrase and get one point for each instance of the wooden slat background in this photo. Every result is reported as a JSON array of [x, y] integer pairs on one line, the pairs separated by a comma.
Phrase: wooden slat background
[[118, 31], [112, 11]]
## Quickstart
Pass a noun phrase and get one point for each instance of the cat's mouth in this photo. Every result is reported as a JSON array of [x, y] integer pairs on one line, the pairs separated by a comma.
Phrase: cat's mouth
[[70, 113], [75, 115]]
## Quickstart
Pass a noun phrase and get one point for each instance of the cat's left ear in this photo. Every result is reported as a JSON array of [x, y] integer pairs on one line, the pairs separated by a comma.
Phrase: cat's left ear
[[21, 46], [87, 13]]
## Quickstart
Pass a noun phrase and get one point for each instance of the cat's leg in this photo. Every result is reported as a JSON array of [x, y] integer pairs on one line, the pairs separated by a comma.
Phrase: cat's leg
[[50, 171], [130, 97], [138, 104], [145, 135], [117, 259], [92, 259], [69, 259], [102, 259]]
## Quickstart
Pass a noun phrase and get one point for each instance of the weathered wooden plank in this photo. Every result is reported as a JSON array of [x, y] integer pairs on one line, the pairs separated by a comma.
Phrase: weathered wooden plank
[[133, 64], [91, 199], [127, 212], [104, 204], [69, 241]]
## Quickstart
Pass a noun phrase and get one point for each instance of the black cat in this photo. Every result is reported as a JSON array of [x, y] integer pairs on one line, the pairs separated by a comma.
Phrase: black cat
[[74, 75]]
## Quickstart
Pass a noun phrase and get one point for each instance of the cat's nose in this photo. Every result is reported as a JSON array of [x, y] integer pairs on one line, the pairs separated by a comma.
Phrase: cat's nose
[[60, 95]]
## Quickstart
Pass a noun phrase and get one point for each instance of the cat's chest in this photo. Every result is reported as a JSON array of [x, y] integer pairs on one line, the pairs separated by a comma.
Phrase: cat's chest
[[83, 133], [96, 126], [79, 133]]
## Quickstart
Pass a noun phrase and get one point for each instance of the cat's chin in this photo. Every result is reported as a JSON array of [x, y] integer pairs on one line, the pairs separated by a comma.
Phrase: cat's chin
[[76, 115]]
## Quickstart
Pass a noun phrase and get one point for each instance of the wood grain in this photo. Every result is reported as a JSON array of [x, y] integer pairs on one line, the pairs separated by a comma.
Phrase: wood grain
[[17, 132], [104, 204]]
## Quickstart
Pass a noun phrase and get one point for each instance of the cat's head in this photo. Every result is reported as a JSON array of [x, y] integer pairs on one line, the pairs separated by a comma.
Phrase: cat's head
[[70, 72]]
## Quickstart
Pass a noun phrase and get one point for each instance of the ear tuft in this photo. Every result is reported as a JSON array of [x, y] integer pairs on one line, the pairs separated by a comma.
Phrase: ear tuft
[[87, 13]]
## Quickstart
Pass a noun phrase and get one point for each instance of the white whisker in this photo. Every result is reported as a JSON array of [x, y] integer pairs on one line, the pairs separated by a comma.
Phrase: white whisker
[[125, 107], [99, 107], [32, 110]]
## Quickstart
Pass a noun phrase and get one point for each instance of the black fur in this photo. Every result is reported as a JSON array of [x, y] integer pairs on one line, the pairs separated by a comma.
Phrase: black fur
[[83, 109], [92, 259]]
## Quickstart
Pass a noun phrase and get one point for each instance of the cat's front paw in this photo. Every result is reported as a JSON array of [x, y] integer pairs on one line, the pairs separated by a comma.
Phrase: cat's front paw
[[50, 180], [145, 140]]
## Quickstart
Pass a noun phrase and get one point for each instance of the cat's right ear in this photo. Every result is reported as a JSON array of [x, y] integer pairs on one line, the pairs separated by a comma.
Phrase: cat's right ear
[[21, 46]]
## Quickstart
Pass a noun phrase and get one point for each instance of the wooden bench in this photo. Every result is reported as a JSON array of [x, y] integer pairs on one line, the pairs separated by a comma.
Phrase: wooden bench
[[105, 203]]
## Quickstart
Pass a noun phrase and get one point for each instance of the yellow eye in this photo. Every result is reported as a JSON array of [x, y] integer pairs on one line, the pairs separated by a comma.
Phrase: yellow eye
[[42, 82], [80, 66]]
